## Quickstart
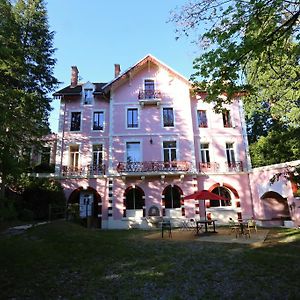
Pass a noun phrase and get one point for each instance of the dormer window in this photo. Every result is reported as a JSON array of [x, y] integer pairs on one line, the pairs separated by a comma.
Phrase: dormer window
[[88, 96]]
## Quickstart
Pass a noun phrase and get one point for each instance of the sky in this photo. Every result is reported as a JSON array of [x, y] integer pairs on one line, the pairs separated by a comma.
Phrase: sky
[[96, 34]]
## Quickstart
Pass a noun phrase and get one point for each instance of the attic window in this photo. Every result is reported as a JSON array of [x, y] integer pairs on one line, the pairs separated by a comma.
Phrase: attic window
[[88, 96]]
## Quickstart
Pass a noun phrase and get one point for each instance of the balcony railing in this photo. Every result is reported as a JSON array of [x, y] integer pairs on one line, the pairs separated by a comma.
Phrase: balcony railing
[[153, 166], [212, 167], [235, 166], [209, 167], [89, 170], [149, 94]]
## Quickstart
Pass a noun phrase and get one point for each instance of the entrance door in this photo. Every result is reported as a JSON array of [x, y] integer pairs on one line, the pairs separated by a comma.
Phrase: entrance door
[[86, 204]]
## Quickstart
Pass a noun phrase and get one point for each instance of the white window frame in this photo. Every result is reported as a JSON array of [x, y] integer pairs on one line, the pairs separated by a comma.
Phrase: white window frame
[[162, 147], [102, 151], [133, 141], [206, 114], [126, 117], [88, 86], [233, 149], [205, 150], [98, 111], [69, 154], [162, 117], [70, 120]]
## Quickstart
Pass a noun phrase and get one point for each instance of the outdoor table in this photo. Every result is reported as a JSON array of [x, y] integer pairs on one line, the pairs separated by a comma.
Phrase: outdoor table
[[206, 222]]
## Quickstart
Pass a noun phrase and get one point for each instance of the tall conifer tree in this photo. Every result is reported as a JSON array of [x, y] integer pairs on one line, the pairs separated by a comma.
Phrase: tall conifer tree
[[26, 63]]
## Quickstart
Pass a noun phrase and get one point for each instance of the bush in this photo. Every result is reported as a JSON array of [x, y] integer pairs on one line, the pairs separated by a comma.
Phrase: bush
[[26, 215], [39, 193], [8, 210]]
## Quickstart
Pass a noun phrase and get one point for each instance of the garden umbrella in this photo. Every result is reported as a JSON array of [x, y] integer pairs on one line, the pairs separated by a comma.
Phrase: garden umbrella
[[205, 195]]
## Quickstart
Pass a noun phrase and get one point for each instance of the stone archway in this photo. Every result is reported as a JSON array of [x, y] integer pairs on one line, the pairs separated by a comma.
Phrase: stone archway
[[275, 206], [74, 198]]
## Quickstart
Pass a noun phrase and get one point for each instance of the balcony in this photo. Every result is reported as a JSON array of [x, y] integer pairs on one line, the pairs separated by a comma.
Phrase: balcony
[[89, 170], [153, 166], [207, 167], [214, 167], [234, 166], [148, 97]]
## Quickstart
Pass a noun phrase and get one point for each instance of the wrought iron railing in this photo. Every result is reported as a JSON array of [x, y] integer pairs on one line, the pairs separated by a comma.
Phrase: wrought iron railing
[[96, 169], [235, 166], [209, 167], [149, 94], [89, 170], [153, 166]]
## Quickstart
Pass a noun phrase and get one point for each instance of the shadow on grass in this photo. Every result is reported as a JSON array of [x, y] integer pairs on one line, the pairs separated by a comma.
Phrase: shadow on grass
[[63, 260]]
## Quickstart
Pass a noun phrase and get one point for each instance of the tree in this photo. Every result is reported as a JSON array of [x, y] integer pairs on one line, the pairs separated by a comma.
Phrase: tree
[[280, 145], [241, 39], [26, 66]]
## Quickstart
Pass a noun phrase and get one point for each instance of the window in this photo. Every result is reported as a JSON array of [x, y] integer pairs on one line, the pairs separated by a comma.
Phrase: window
[[149, 88], [97, 155], [168, 117], [45, 155], [221, 191], [98, 120], [135, 199], [74, 156], [230, 153], [132, 118], [133, 153], [172, 197], [204, 153], [75, 121], [202, 119], [227, 118], [88, 96], [169, 151]]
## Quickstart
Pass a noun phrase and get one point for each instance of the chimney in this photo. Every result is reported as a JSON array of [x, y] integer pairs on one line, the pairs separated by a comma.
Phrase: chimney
[[117, 70], [74, 76]]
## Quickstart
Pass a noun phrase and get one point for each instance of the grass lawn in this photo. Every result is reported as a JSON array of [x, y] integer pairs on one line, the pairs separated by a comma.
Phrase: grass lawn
[[65, 261]]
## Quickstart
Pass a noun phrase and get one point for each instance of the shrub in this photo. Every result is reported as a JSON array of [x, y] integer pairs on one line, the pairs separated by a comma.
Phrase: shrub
[[8, 210], [39, 193]]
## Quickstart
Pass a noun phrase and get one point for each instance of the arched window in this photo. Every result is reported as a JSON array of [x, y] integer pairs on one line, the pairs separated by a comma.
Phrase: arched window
[[221, 191], [134, 198], [172, 196]]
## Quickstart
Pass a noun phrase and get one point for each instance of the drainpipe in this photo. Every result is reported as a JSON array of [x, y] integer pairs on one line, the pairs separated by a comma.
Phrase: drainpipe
[[62, 139], [251, 195]]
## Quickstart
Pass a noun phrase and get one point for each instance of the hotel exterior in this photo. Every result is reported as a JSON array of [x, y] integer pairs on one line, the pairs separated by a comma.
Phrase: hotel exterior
[[129, 151]]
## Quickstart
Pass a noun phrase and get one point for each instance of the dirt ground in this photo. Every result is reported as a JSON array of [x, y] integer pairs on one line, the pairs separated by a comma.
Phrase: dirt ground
[[223, 235]]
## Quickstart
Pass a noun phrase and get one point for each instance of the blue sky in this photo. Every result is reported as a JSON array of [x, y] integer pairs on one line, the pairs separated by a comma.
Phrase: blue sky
[[96, 34]]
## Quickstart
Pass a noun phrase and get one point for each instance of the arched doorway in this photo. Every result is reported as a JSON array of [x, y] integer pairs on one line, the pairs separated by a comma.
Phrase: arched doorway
[[89, 203], [172, 201], [134, 202], [275, 206]]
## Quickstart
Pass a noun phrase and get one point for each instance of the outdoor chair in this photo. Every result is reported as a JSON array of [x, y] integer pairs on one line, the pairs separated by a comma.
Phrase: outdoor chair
[[233, 227], [244, 230], [251, 225]]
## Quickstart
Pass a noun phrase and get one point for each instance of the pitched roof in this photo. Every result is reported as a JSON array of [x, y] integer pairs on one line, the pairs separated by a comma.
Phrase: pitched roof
[[104, 87], [141, 62], [77, 90]]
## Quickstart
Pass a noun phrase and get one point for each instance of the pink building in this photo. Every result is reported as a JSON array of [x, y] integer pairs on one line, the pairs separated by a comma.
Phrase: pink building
[[131, 149]]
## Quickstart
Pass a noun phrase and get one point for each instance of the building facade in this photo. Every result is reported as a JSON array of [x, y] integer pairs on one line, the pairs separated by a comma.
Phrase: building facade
[[128, 151]]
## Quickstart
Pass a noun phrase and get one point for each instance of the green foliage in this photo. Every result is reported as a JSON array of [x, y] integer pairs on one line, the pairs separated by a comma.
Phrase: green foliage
[[38, 194], [26, 78], [237, 36], [7, 210], [277, 147]]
